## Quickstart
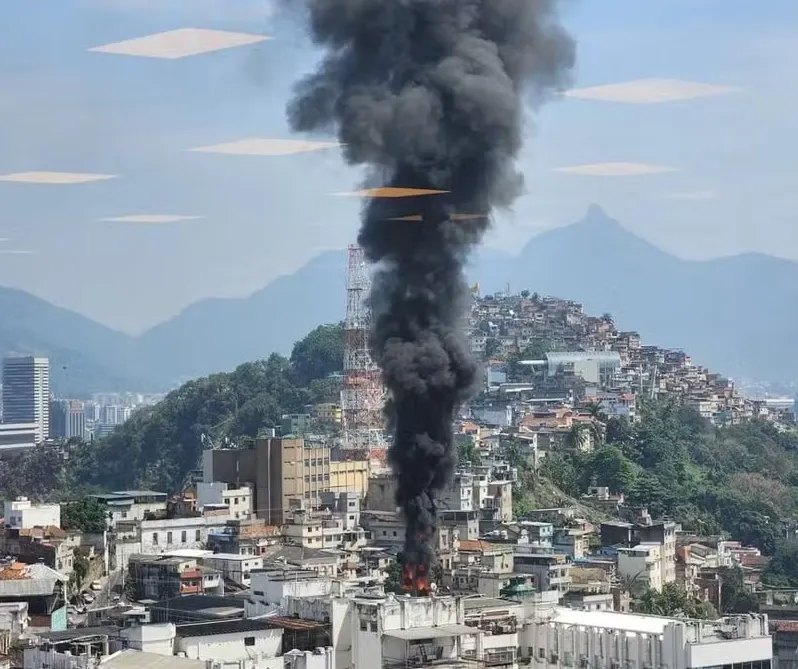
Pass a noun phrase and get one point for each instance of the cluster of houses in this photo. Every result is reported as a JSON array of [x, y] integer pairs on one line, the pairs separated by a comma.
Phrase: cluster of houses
[[548, 349], [244, 570], [281, 553]]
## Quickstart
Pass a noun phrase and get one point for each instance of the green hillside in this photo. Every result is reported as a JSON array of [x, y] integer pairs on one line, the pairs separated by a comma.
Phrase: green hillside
[[740, 480]]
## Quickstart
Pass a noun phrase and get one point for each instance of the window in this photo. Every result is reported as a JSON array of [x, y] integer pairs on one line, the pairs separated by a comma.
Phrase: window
[[168, 537], [235, 501], [124, 514], [364, 626], [249, 640], [155, 538], [197, 536], [183, 537]]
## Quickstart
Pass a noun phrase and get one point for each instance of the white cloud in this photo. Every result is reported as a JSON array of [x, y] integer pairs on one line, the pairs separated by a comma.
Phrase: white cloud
[[615, 169], [651, 91], [180, 43], [16, 252], [261, 146], [54, 177], [150, 218], [690, 195]]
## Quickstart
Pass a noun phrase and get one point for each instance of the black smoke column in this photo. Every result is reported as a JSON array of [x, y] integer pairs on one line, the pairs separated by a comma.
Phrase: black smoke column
[[429, 94]]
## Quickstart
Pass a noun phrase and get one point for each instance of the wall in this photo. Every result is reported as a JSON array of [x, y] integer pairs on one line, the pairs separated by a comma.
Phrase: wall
[[151, 546], [230, 647], [38, 515], [350, 476], [235, 569], [157, 638], [325, 659], [58, 619]]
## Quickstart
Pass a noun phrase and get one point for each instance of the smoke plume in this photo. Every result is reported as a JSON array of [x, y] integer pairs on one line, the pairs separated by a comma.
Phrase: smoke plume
[[428, 94]]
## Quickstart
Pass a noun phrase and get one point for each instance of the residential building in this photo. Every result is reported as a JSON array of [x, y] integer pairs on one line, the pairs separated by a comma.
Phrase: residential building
[[237, 498], [163, 536], [128, 505], [640, 567], [234, 567], [574, 638], [26, 392], [21, 514], [645, 531], [158, 577], [43, 588]]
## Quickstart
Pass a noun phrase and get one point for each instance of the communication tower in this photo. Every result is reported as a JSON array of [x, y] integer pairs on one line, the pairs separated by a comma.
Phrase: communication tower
[[363, 394]]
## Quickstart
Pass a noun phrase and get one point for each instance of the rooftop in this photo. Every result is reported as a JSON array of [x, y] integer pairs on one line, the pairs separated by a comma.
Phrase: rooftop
[[472, 604], [627, 622], [214, 628]]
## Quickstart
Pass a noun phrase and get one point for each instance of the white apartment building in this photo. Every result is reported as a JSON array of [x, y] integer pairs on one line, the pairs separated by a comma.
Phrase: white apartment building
[[641, 567], [397, 632], [571, 638], [163, 536], [26, 392], [237, 498], [22, 514], [126, 505], [234, 566]]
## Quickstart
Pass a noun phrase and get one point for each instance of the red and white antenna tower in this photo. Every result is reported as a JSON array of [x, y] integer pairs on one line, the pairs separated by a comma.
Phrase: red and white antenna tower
[[363, 394]]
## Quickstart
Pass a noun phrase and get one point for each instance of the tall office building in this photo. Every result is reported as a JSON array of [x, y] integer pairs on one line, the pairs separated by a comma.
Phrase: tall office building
[[26, 392], [67, 419]]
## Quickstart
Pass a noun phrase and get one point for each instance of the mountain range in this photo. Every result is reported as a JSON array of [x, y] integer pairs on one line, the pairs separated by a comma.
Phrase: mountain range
[[733, 314]]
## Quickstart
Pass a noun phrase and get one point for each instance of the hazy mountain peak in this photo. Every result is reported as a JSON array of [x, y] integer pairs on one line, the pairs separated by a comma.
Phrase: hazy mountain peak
[[596, 214]]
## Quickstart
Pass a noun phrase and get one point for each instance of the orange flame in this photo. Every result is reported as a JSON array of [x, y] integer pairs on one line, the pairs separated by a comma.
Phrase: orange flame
[[416, 580]]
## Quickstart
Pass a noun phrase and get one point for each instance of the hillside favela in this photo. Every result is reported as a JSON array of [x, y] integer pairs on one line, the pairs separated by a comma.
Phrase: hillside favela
[[398, 334]]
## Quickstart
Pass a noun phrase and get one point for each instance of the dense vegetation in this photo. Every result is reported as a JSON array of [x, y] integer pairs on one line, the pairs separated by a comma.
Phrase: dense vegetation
[[159, 445], [740, 480]]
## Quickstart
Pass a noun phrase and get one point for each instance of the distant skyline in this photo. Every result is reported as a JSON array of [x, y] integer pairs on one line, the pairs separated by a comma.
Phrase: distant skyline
[[116, 200]]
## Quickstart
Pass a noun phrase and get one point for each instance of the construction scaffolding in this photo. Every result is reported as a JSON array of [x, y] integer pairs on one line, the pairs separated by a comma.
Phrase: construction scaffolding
[[363, 394]]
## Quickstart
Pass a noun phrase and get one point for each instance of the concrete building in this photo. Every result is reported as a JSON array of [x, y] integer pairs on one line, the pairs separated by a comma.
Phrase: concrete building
[[398, 632], [67, 420], [645, 531], [162, 536], [237, 498], [594, 367], [279, 470], [236, 568], [127, 505], [573, 638], [22, 514], [26, 392], [640, 567], [18, 437]]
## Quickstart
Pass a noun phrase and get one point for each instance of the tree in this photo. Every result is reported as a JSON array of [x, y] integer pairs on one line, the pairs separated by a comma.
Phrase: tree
[[492, 346], [674, 602], [319, 354], [394, 576], [609, 467], [525, 294], [86, 515]]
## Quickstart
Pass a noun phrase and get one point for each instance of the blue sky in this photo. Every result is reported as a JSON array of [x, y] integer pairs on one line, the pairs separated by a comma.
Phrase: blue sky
[[64, 108]]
